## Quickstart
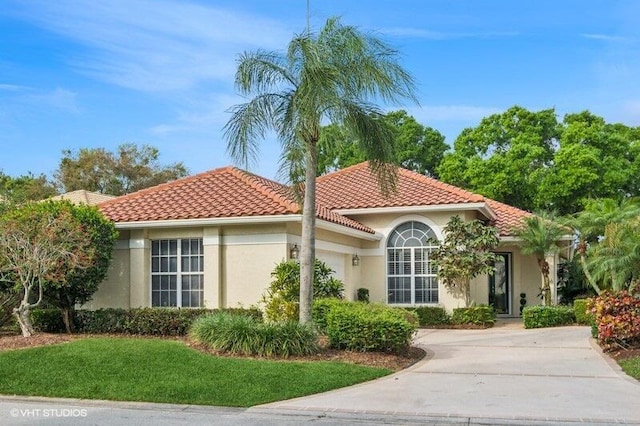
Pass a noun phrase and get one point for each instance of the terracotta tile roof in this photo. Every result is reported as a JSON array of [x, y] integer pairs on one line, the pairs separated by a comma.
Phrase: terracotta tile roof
[[356, 187], [508, 217], [224, 192], [231, 192]]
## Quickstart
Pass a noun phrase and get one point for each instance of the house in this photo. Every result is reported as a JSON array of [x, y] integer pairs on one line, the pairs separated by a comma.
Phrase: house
[[82, 196], [213, 240]]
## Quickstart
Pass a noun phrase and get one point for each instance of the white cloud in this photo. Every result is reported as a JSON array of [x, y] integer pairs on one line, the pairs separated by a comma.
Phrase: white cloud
[[605, 37], [59, 98], [154, 45]]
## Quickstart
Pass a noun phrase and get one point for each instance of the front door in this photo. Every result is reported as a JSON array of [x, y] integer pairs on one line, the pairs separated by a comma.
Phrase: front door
[[500, 285]]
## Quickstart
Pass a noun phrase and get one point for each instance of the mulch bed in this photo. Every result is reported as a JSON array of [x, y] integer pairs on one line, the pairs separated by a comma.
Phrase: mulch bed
[[372, 359], [624, 354]]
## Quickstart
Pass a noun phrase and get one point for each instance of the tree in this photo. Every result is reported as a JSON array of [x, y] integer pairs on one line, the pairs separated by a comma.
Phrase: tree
[[21, 189], [129, 169], [505, 156], [465, 253], [608, 242], [37, 247], [79, 284], [593, 160], [538, 236], [416, 147], [532, 161], [329, 77]]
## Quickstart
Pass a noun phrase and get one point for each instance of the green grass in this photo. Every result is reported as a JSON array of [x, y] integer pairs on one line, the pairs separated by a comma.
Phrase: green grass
[[631, 366], [157, 370]]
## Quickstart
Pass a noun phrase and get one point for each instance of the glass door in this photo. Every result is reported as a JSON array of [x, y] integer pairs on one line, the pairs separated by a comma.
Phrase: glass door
[[500, 285]]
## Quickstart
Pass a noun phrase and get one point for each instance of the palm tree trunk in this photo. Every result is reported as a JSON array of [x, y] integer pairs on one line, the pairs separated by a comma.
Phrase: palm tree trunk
[[308, 249], [582, 248], [546, 283]]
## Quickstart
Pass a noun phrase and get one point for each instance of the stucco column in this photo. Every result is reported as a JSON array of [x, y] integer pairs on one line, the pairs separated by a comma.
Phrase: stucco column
[[212, 268], [140, 272]]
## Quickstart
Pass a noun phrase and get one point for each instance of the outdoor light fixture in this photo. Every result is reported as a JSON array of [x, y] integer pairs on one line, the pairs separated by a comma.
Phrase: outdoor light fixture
[[355, 260], [294, 253]]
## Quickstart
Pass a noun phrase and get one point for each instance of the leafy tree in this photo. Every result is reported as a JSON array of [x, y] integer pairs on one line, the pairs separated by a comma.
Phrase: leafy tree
[[21, 189], [532, 161], [465, 253], [37, 247], [505, 156], [79, 284], [282, 298], [593, 160], [538, 236], [329, 77], [416, 147], [129, 169]]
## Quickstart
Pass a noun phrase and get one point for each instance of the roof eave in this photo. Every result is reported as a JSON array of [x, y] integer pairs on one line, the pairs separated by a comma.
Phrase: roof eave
[[248, 220], [482, 207]]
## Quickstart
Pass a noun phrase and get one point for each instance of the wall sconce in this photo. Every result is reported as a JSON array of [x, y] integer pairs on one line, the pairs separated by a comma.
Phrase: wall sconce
[[355, 260], [294, 253]]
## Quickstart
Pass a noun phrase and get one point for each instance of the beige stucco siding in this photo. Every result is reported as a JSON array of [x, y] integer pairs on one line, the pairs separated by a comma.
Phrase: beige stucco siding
[[114, 291], [247, 272]]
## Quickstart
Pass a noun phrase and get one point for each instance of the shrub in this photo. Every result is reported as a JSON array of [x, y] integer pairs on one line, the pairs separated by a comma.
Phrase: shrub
[[142, 321], [363, 295], [583, 317], [431, 315], [245, 335], [617, 316], [547, 316], [321, 308], [283, 295], [366, 327], [47, 320], [482, 315]]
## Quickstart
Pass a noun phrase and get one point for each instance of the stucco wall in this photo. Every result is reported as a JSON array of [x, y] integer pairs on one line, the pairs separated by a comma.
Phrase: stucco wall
[[114, 291]]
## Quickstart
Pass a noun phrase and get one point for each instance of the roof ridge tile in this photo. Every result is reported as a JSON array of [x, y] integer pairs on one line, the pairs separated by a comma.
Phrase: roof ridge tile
[[255, 182]]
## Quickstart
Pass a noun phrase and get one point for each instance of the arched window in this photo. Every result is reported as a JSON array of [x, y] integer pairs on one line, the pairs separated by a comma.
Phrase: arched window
[[411, 277]]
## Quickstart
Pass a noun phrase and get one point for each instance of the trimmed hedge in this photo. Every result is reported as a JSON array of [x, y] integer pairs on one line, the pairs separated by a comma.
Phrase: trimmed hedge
[[321, 308], [547, 316], [431, 315], [239, 334], [482, 315], [370, 328], [583, 316], [141, 321]]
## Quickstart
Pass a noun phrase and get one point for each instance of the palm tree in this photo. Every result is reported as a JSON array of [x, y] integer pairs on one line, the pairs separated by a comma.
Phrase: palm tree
[[538, 236], [597, 229], [333, 76]]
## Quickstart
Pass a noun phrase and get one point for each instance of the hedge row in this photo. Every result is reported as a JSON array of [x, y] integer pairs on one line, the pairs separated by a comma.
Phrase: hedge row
[[142, 321], [370, 327], [547, 316]]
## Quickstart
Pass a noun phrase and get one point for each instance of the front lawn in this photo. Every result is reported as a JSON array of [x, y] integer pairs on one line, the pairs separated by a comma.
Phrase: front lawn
[[157, 370]]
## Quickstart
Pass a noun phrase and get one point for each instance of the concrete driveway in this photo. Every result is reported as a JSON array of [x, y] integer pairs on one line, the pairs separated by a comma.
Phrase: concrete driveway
[[503, 375]]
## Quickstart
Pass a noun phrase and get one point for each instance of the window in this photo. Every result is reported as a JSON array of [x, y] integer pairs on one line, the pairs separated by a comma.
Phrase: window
[[411, 277], [177, 273]]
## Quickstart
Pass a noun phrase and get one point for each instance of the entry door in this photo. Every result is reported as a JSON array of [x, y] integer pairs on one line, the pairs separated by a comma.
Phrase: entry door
[[500, 285]]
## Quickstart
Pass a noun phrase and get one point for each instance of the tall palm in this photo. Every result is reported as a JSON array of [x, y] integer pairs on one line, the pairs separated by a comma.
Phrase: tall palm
[[538, 236], [333, 76]]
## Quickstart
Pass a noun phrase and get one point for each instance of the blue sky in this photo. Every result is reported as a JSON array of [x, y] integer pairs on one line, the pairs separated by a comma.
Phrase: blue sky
[[100, 73]]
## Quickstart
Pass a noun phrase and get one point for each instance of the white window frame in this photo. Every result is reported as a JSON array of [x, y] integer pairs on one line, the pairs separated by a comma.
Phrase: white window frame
[[429, 271], [179, 273]]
